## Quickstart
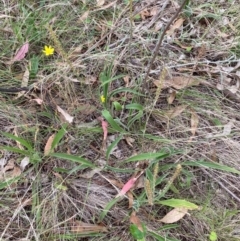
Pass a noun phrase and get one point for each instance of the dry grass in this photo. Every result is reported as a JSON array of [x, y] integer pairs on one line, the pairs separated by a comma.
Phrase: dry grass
[[51, 193]]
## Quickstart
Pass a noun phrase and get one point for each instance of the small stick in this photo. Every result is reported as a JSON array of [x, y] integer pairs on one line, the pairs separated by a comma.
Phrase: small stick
[[144, 86]]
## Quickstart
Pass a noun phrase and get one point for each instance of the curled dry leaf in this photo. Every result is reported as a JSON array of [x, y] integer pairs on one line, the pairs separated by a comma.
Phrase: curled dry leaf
[[81, 227], [175, 26], [48, 146], [21, 53], [66, 116], [174, 215]]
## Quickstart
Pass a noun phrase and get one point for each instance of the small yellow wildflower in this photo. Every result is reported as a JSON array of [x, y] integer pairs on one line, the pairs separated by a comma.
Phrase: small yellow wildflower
[[48, 50], [103, 99]]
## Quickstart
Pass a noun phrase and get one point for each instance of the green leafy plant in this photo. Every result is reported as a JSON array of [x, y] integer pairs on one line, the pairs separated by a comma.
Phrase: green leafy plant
[[213, 236]]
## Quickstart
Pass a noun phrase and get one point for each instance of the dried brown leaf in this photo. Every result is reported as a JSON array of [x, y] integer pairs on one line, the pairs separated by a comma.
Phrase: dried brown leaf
[[179, 82], [90, 80], [24, 83], [81, 227], [126, 80], [39, 101], [135, 220], [144, 13], [130, 199], [174, 112], [175, 26], [48, 146], [129, 140], [174, 215], [10, 171], [171, 97]]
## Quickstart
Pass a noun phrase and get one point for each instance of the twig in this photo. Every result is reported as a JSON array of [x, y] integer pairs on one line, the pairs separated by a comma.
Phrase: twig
[[144, 86]]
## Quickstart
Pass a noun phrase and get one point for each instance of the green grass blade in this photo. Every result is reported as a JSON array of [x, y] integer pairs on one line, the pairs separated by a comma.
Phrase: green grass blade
[[123, 170], [168, 226], [157, 138], [58, 137], [20, 140], [8, 182], [107, 208], [105, 80], [179, 203], [161, 238], [15, 150], [110, 148], [135, 118], [73, 158], [147, 156], [212, 165], [111, 121], [134, 106]]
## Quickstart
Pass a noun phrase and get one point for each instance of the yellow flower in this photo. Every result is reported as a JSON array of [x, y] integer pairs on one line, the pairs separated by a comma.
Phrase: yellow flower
[[103, 99], [48, 50]]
